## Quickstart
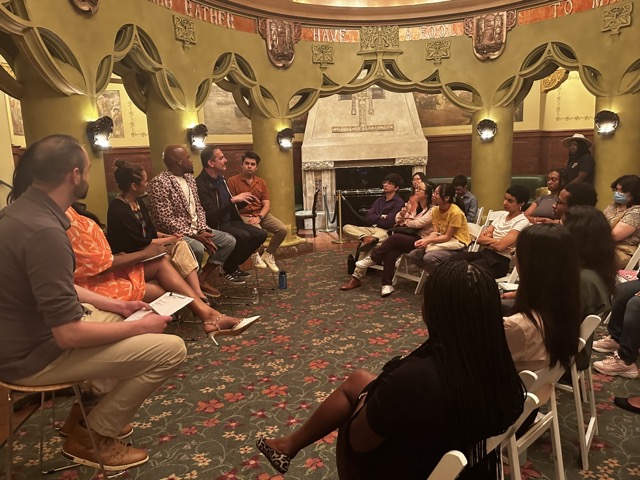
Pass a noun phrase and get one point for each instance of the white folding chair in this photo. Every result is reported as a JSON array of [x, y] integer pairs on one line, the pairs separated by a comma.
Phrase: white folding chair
[[403, 271], [474, 230], [581, 386], [449, 466], [632, 264], [547, 378], [478, 218]]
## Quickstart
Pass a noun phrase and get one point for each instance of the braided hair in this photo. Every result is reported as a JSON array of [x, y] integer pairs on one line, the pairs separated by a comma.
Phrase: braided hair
[[466, 336]]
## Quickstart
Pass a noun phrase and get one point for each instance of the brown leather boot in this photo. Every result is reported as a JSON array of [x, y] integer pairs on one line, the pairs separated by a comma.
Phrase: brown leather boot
[[75, 415], [114, 454]]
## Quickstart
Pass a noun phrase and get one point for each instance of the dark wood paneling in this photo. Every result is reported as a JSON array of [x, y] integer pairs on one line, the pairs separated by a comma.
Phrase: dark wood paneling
[[533, 153], [136, 155]]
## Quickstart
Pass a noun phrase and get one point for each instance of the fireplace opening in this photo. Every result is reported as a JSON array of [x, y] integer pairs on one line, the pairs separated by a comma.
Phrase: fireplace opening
[[367, 178]]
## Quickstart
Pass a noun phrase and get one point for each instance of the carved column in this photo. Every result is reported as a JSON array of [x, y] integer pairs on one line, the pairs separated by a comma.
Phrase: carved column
[[616, 155], [46, 111], [276, 167], [168, 126], [491, 160]]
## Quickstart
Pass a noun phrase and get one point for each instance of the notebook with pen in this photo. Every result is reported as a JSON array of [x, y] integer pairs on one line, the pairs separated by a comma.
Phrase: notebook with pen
[[167, 304]]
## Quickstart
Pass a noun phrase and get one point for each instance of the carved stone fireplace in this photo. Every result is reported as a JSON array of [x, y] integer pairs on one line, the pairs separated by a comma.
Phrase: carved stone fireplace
[[372, 128]]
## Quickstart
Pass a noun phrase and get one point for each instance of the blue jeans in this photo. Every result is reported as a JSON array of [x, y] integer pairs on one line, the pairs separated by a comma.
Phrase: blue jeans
[[624, 326], [225, 243]]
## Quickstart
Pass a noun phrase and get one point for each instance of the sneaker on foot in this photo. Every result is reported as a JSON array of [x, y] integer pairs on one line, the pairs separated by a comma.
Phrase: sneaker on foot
[[615, 366], [114, 454], [241, 273], [257, 261], [366, 262], [233, 279], [270, 261], [606, 345], [386, 290]]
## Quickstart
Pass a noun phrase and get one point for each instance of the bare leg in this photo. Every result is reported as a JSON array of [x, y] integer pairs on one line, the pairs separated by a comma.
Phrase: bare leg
[[194, 283], [169, 279], [331, 414]]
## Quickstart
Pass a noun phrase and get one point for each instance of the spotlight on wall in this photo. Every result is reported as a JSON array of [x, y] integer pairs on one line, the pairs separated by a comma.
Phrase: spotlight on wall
[[606, 122], [196, 136], [487, 129], [285, 138], [99, 132]]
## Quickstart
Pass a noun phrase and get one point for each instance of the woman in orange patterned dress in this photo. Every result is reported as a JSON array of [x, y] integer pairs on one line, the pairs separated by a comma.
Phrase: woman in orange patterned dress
[[125, 276]]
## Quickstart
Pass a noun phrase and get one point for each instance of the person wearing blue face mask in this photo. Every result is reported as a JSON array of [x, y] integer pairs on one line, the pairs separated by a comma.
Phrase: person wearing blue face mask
[[624, 217]]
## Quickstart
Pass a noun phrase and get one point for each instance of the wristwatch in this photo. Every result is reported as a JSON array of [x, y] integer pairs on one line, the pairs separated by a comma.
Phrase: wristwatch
[[260, 217]]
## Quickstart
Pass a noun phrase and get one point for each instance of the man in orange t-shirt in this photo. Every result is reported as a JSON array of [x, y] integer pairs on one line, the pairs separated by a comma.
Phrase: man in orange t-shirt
[[257, 212]]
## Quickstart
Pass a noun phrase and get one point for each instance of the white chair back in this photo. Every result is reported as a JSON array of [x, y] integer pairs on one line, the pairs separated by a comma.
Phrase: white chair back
[[478, 218], [449, 466], [632, 264]]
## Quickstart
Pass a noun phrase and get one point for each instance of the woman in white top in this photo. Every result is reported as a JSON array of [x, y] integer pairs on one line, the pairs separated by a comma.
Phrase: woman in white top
[[498, 238], [414, 221]]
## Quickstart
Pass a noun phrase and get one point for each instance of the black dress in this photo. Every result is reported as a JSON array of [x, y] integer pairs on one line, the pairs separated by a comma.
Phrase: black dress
[[129, 231]]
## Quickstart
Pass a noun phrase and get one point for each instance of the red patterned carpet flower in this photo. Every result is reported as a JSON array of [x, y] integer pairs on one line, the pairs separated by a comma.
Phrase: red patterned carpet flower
[[251, 387], [232, 424], [210, 406], [260, 413], [392, 335], [265, 380], [292, 421], [211, 422], [249, 343], [199, 367], [252, 463], [318, 364], [189, 430], [294, 356], [233, 397], [70, 475], [378, 341], [281, 339], [165, 437], [216, 363], [266, 476], [330, 439], [419, 332], [310, 379], [230, 475], [304, 406], [230, 348], [314, 321], [276, 390], [281, 405], [313, 463]]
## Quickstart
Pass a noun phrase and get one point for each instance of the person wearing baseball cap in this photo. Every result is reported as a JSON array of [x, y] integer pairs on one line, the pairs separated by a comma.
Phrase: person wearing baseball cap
[[580, 165]]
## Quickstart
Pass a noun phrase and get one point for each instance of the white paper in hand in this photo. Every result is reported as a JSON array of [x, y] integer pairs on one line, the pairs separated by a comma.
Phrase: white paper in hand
[[167, 304]]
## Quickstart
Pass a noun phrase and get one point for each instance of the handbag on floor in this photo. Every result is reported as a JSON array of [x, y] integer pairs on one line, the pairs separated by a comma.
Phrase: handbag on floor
[[351, 264]]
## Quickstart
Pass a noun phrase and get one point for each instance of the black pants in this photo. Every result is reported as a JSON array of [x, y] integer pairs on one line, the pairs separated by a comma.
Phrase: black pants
[[496, 264], [248, 239]]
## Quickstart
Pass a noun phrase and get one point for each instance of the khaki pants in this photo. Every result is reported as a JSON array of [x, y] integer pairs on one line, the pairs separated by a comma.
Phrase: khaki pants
[[354, 232], [138, 366], [274, 226]]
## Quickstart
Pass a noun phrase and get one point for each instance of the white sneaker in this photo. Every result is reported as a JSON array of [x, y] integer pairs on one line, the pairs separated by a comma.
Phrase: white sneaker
[[386, 290], [366, 262], [257, 261], [268, 259]]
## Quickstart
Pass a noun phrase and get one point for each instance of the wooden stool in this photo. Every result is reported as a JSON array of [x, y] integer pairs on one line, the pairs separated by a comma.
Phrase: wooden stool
[[42, 389]]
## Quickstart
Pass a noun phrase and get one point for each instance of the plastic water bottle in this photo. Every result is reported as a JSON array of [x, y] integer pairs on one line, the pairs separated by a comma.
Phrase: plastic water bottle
[[256, 296], [282, 280]]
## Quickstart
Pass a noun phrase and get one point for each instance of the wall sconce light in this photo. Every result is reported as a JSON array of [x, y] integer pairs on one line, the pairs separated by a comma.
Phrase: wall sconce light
[[197, 135], [99, 132], [606, 122], [285, 138], [487, 129]]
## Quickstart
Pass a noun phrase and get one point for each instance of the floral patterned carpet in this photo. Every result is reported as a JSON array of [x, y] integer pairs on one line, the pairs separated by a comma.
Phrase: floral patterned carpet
[[202, 424]]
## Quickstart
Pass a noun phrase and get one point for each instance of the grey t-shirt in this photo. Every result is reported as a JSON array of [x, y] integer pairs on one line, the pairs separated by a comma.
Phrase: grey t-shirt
[[36, 285]]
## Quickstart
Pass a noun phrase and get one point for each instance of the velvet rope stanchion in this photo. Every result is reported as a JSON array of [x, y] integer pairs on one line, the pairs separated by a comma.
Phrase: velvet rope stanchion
[[339, 210], [327, 222]]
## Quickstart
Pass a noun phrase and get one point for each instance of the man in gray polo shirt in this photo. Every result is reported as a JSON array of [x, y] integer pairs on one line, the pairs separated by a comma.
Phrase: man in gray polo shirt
[[48, 336]]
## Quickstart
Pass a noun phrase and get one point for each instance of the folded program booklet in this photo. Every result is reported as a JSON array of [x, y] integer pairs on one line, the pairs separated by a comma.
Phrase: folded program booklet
[[508, 287], [167, 304]]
